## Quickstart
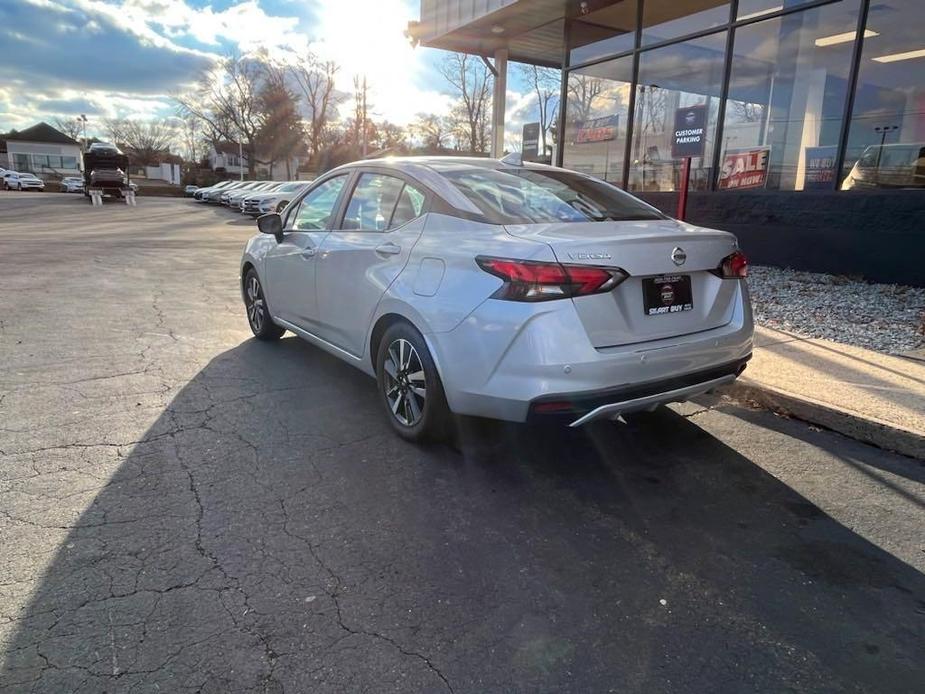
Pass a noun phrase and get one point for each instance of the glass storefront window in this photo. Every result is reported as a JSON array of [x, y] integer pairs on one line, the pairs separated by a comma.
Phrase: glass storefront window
[[662, 20], [605, 32], [886, 141], [751, 9], [596, 119], [787, 92], [672, 79]]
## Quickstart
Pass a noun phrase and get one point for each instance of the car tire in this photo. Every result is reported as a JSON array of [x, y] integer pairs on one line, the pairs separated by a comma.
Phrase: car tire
[[409, 386], [258, 313]]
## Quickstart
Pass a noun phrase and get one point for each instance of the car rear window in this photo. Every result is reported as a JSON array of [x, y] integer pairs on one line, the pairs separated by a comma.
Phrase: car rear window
[[531, 196]]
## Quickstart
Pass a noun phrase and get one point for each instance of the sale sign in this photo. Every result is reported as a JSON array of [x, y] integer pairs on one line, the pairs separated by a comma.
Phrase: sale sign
[[744, 168]]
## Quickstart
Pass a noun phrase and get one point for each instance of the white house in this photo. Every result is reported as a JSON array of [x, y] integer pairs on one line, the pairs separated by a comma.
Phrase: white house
[[164, 171], [42, 150], [225, 156]]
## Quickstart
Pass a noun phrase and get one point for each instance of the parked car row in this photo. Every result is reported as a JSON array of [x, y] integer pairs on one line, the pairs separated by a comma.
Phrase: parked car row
[[16, 180], [250, 197]]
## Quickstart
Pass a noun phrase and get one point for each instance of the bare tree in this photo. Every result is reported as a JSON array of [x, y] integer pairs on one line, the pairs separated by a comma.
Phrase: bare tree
[[72, 127], [315, 80], [432, 130], [583, 90], [545, 83], [228, 102], [195, 139], [391, 136], [361, 110], [471, 81], [114, 128], [145, 140]]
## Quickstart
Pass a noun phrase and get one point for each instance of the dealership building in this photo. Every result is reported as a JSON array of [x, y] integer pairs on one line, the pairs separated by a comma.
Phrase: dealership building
[[804, 120]]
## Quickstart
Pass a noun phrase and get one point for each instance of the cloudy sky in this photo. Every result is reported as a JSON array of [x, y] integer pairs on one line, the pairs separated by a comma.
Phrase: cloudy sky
[[123, 58]]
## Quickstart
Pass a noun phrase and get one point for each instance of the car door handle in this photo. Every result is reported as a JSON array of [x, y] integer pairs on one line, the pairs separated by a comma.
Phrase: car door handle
[[388, 248], [309, 252]]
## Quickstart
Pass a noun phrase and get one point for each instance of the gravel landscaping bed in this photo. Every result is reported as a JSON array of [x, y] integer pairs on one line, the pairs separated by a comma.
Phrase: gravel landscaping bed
[[884, 317]]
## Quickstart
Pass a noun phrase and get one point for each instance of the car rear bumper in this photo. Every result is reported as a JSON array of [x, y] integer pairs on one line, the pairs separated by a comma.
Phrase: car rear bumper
[[583, 408], [506, 359]]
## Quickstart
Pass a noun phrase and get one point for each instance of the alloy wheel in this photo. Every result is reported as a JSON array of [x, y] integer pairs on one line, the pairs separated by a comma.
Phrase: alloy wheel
[[256, 306], [405, 383]]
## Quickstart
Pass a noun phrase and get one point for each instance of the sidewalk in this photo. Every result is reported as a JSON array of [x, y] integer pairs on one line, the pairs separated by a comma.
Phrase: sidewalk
[[867, 395]]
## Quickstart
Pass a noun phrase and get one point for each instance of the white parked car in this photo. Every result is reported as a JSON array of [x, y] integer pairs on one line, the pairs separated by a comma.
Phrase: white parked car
[[274, 200], [72, 184], [13, 180], [498, 289]]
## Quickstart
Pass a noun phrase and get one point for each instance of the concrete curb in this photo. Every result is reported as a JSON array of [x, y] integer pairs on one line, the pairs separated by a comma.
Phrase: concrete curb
[[869, 430]]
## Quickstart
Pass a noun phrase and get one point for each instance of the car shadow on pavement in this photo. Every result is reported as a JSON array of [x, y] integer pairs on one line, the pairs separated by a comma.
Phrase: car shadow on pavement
[[243, 221], [857, 455], [271, 534]]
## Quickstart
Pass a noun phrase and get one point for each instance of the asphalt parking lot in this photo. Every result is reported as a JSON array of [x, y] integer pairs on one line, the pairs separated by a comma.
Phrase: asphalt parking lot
[[183, 508]]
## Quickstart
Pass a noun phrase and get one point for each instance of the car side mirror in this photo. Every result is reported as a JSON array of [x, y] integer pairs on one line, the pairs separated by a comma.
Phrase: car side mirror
[[272, 224]]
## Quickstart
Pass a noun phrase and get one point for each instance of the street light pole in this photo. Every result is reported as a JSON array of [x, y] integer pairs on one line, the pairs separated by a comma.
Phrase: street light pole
[[240, 161], [883, 130]]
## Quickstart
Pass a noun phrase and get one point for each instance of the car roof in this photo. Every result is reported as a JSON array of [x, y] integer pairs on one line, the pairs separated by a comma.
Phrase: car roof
[[431, 169]]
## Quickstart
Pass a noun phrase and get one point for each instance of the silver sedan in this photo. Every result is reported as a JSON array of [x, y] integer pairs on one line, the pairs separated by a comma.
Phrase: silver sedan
[[498, 289]]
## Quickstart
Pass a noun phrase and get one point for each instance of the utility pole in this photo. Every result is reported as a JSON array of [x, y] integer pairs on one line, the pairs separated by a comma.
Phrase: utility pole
[[240, 160], [364, 117]]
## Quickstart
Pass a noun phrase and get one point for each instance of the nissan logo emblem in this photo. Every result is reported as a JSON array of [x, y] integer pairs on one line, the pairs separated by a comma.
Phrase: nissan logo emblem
[[678, 256]]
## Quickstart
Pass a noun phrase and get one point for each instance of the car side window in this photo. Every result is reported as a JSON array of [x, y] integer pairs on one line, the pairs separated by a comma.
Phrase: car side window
[[316, 209], [410, 205], [375, 200]]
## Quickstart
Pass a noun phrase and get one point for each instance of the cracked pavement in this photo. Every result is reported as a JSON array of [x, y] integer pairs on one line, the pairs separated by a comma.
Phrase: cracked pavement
[[183, 508]]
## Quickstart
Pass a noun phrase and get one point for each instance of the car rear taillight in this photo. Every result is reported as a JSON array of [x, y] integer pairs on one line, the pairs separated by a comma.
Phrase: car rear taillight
[[733, 267], [528, 280]]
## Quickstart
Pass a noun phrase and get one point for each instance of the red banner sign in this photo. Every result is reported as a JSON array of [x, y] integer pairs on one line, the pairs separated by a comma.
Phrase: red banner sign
[[744, 168], [596, 130]]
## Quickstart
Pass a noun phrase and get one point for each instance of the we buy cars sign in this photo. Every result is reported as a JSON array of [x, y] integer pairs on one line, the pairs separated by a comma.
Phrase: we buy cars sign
[[596, 129], [744, 168]]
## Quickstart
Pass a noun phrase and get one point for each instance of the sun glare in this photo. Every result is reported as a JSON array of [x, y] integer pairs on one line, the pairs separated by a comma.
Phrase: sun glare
[[367, 38]]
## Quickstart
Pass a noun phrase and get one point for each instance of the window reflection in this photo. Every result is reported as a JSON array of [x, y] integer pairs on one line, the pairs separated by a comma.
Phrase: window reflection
[[752, 9], [605, 32], [662, 21], [787, 92], [671, 80], [886, 141], [596, 119]]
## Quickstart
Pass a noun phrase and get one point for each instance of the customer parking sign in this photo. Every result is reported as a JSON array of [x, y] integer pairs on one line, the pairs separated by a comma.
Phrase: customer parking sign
[[690, 126]]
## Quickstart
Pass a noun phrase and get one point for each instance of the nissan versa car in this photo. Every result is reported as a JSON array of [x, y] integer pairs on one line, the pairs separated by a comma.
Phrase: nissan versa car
[[498, 289]]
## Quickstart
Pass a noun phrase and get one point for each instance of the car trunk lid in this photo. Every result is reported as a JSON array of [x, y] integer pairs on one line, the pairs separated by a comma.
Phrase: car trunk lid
[[646, 249]]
